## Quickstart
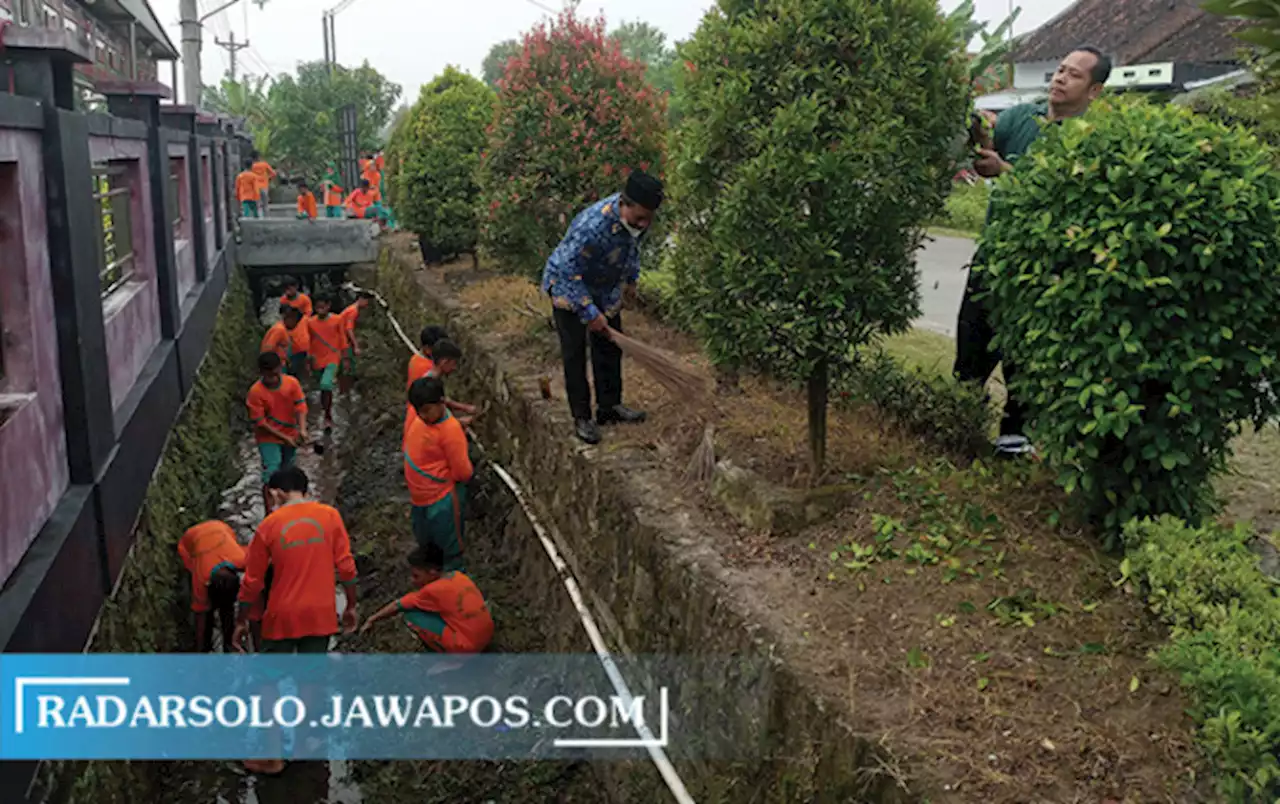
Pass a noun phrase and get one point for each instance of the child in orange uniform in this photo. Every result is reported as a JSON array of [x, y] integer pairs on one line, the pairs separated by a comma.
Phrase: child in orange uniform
[[446, 610], [420, 366], [436, 465], [247, 192], [212, 555], [265, 173], [294, 298], [278, 411], [289, 338], [351, 314], [328, 343], [306, 202], [305, 543], [362, 200]]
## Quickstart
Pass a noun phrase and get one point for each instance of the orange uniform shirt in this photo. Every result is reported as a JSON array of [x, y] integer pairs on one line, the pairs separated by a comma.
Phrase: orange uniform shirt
[[351, 315], [374, 178], [360, 201], [301, 303], [204, 549], [281, 406], [419, 367], [459, 603], [286, 342], [435, 459], [307, 204], [328, 339], [333, 196], [264, 172], [306, 542], [379, 162], [247, 186]]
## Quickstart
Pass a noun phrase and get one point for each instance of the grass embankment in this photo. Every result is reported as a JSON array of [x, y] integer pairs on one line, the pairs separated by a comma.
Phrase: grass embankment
[[151, 605], [952, 607]]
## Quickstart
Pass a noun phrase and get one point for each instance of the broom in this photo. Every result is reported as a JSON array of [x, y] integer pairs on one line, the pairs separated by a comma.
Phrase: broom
[[665, 368], [702, 465]]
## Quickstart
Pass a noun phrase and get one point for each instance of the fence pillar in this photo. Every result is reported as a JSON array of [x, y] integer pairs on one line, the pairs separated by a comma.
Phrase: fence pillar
[[183, 118], [212, 132], [42, 64], [140, 100]]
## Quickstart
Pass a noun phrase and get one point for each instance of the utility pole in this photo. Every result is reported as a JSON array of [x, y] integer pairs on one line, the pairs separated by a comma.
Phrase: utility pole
[[233, 47], [190, 51]]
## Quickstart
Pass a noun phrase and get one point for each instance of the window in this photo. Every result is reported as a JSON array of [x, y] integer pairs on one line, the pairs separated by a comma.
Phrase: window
[[116, 259], [1048, 78], [176, 166]]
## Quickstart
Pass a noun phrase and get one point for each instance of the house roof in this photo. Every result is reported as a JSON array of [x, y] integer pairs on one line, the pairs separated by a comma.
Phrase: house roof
[[1134, 32]]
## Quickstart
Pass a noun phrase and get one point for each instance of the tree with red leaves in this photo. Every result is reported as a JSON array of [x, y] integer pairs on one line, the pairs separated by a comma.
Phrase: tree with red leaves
[[574, 118]]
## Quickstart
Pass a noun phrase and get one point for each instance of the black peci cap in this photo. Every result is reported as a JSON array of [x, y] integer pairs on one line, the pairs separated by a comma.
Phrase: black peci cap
[[644, 189]]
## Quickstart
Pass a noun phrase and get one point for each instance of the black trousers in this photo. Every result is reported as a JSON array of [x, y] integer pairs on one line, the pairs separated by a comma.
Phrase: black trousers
[[976, 360], [222, 609], [606, 364]]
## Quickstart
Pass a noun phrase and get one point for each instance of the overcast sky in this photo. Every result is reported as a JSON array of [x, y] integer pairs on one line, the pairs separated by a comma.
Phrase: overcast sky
[[410, 41]]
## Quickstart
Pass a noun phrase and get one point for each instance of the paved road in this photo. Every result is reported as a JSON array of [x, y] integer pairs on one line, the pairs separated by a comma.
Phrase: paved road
[[943, 271]]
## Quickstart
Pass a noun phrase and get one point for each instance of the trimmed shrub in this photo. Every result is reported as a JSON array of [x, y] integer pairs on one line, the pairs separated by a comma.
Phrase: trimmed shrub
[[1134, 274], [435, 153], [952, 416], [805, 166], [1205, 583], [574, 118]]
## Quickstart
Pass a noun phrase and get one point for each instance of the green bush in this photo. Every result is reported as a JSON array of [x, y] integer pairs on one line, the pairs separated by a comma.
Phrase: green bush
[[805, 166], [1134, 274], [435, 153], [1205, 583], [573, 118], [966, 207], [954, 417]]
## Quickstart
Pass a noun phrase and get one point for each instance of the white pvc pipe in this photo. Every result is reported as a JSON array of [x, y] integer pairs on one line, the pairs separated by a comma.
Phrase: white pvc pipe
[[656, 753]]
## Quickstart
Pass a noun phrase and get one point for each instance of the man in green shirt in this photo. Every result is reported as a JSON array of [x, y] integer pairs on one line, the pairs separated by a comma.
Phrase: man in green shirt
[[1078, 80]]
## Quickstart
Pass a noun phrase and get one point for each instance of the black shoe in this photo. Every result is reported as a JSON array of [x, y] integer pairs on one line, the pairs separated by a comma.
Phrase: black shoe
[[586, 430], [620, 414]]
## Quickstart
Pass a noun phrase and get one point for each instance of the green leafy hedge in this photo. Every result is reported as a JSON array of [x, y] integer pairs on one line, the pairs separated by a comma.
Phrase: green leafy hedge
[[435, 153], [1133, 265], [1225, 643]]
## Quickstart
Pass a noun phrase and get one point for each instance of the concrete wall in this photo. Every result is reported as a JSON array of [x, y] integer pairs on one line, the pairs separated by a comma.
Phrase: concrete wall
[[32, 445], [183, 246]]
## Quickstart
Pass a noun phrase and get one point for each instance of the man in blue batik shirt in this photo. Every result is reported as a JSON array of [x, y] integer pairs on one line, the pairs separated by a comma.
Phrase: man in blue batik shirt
[[586, 277]]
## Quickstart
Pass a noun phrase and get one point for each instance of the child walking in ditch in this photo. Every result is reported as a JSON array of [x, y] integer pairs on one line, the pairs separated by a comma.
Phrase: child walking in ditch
[[351, 314], [294, 297], [436, 467], [278, 410], [328, 333], [446, 611], [289, 338]]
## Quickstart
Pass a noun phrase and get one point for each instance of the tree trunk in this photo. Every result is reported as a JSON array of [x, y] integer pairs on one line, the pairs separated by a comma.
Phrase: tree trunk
[[818, 389]]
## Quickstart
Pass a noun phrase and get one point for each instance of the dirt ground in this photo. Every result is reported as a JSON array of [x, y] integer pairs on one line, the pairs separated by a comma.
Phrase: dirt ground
[[956, 612]]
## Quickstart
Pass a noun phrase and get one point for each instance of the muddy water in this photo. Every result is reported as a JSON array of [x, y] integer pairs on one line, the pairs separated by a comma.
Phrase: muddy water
[[360, 472]]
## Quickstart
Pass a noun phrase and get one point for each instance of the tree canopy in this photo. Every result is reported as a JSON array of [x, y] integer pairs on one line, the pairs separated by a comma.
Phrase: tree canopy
[[304, 112]]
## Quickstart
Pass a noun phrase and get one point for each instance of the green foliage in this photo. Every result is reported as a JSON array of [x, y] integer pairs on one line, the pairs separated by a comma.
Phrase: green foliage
[[495, 62], [804, 168], [643, 43], [1265, 16], [246, 99], [433, 158], [574, 117], [966, 207], [1258, 113], [952, 416], [1134, 275], [995, 44], [1205, 583], [304, 113]]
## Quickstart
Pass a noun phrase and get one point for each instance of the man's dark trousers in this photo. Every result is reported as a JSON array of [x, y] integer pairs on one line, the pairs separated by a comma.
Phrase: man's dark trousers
[[606, 364], [975, 360]]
